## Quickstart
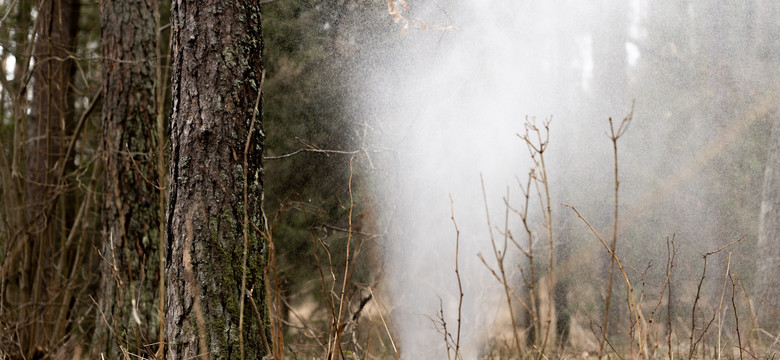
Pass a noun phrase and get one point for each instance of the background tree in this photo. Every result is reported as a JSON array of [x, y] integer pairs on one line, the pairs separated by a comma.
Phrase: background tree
[[215, 257], [767, 290], [131, 274], [310, 60], [48, 124], [49, 95]]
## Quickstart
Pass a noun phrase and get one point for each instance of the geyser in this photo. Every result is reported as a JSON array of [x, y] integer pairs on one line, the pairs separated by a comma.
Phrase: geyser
[[446, 101]]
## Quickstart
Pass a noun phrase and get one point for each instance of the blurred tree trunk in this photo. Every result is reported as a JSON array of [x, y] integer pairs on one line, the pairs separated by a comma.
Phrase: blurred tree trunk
[[131, 273], [610, 65], [216, 184], [767, 293], [49, 116], [768, 284]]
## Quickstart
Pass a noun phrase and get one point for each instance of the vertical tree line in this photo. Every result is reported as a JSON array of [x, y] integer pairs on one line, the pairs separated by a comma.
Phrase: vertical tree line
[[83, 235]]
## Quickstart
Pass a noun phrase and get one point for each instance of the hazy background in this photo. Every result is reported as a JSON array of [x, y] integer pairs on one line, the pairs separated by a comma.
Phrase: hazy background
[[447, 104]]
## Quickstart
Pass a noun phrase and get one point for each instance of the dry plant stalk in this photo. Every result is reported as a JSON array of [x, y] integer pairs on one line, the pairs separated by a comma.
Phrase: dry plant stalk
[[671, 253], [272, 293], [736, 316], [387, 330], [613, 136], [536, 147], [343, 298], [694, 344], [632, 302], [347, 270], [500, 256], [457, 274], [327, 293], [530, 280], [440, 323], [720, 305], [537, 144]]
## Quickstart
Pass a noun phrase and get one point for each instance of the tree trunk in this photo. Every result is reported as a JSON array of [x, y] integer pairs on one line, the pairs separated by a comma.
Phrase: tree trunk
[[767, 289], [50, 114], [214, 256], [768, 269], [131, 273]]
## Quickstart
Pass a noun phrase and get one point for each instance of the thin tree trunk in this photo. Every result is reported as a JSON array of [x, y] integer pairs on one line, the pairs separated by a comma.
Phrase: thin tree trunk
[[215, 183], [50, 111], [131, 272], [768, 269]]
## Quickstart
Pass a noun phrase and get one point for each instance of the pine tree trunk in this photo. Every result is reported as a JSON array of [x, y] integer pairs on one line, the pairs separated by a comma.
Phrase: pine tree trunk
[[131, 272], [215, 184]]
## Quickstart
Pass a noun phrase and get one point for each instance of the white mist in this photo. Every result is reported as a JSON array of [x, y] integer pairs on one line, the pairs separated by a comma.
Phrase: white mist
[[444, 107], [451, 104]]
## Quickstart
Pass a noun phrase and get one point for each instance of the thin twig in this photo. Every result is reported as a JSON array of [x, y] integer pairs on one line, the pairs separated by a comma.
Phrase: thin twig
[[632, 302], [736, 316], [346, 265], [246, 214], [614, 136], [500, 255], [457, 274], [381, 317]]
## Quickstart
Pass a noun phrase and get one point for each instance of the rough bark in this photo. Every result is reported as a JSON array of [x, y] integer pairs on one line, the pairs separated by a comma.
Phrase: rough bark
[[130, 274], [768, 267], [216, 49]]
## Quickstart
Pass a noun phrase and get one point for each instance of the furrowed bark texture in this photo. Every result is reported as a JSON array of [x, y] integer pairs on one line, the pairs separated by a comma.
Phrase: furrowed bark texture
[[130, 274], [768, 285], [216, 49]]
